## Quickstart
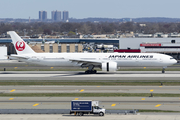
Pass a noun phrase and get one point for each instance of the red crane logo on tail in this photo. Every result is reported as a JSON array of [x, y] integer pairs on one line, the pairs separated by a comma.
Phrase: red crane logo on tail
[[20, 45]]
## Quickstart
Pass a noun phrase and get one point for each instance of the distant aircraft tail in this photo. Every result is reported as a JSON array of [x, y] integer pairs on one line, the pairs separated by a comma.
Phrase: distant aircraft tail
[[20, 46]]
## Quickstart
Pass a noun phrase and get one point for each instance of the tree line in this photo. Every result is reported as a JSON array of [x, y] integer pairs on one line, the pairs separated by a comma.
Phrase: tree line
[[60, 28]]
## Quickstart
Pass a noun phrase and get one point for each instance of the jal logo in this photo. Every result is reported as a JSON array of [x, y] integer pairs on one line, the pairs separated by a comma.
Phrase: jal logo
[[20, 45]]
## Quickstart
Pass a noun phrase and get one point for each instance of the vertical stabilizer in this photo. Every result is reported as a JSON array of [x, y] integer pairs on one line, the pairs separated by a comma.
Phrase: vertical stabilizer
[[20, 46]]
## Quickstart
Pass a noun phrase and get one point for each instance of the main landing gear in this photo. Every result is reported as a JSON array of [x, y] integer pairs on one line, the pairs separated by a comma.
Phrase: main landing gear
[[90, 70]]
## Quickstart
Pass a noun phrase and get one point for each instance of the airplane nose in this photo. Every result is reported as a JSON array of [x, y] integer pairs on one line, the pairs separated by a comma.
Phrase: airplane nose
[[175, 61]]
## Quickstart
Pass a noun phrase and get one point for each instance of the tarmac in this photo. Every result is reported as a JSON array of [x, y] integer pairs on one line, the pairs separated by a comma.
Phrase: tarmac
[[80, 75], [89, 89], [88, 117], [115, 103], [109, 103]]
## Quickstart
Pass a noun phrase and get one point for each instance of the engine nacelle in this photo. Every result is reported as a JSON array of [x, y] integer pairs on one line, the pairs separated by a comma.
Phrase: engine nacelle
[[109, 66]]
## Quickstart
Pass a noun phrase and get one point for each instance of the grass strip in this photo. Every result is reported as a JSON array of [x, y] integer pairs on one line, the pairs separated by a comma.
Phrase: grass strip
[[86, 95], [88, 82]]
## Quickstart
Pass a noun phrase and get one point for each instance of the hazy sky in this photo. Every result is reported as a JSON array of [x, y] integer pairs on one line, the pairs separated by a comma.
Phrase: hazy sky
[[91, 8]]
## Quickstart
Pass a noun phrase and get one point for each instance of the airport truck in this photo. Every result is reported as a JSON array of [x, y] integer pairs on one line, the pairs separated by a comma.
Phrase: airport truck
[[81, 107]]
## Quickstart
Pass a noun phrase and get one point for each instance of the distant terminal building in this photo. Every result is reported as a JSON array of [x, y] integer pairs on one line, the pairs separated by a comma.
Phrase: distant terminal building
[[42, 15], [3, 53], [56, 48], [48, 47], [170, 46], [56, 15], [65, 15], [58, 45]]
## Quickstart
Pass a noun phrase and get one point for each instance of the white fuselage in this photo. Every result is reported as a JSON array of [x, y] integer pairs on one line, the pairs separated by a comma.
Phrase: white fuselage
[[122, 59]]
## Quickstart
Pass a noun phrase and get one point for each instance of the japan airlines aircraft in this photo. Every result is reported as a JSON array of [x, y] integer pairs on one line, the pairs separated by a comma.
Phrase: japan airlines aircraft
[[106, 61]]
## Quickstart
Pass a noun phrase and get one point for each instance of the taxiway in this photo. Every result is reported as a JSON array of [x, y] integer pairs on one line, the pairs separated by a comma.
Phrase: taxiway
[[116, 103], [80, 75], [89, 89], [90, 117]]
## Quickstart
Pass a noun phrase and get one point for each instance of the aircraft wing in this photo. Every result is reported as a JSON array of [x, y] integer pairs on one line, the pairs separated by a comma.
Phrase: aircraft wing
[[86, 61], [16, 57]]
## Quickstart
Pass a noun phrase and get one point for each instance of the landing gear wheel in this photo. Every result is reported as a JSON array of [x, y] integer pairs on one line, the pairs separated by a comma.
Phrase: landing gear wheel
[[87, 71], [90, 71]]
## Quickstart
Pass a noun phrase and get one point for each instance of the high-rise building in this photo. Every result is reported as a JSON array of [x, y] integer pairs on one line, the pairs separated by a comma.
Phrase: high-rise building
[[65, 15], [42, 15], [56, 15], [53, 15]]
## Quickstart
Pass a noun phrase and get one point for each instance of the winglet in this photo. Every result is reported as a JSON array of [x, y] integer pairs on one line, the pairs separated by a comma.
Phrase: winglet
[[20, 46]]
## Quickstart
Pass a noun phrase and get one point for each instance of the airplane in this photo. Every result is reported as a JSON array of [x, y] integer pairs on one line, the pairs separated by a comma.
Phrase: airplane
[[108, 62]]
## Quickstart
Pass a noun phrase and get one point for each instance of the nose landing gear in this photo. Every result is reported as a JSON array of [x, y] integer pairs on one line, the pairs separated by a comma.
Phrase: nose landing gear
[[163, 69]]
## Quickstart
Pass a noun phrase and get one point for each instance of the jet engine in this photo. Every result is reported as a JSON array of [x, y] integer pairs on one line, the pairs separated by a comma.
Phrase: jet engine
[[109, 66]]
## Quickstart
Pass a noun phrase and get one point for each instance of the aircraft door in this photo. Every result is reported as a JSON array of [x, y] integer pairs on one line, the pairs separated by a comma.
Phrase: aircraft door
[[100, 58], [137, 62]]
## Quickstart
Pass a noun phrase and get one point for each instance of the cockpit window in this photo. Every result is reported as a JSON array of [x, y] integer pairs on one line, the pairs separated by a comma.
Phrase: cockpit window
[[171, 58]]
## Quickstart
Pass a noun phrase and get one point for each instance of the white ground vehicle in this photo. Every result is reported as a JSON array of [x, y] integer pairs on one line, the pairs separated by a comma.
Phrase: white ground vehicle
[[81, 107]]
